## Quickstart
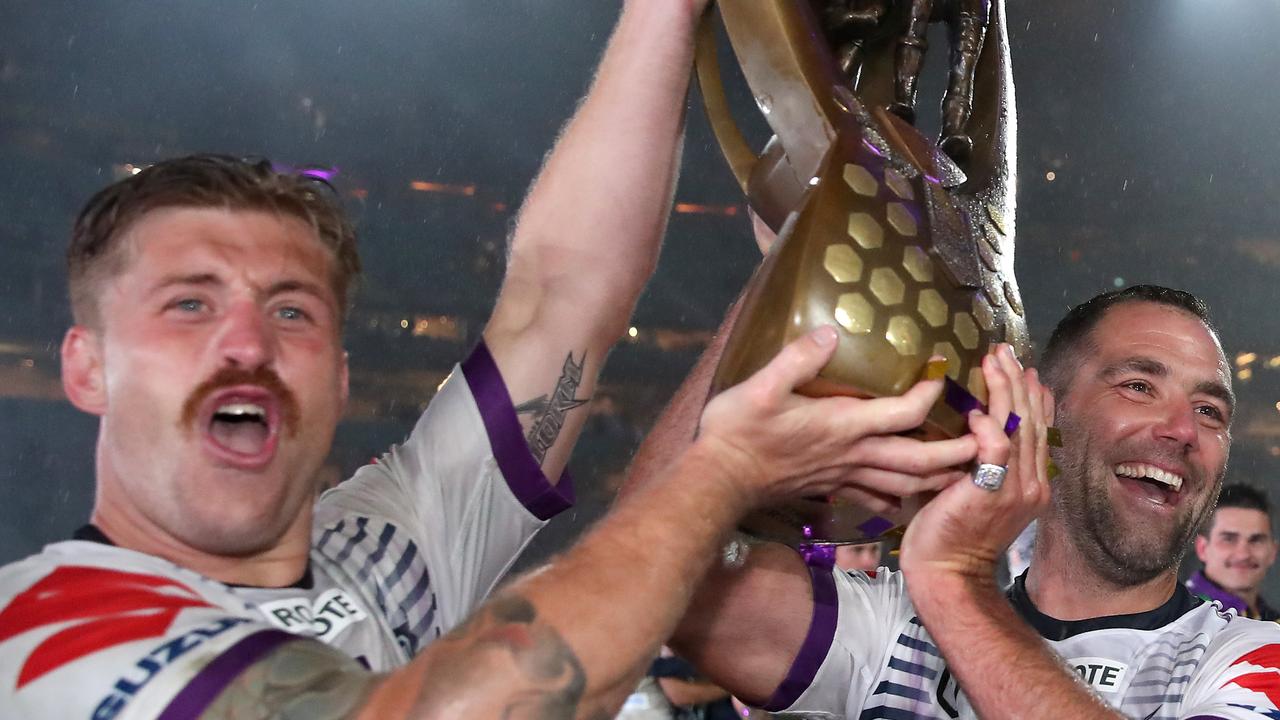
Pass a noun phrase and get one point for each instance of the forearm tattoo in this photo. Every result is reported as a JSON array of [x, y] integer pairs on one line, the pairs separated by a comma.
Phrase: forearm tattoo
[[302, 679], [547, 683], [549, 413], [502, 663]]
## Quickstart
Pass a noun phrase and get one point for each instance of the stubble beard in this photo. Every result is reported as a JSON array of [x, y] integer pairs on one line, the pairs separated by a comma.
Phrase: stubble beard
[[1123, 551]]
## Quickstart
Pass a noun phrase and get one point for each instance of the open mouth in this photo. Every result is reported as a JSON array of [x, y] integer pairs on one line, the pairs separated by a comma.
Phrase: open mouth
[[1157, 484], [241, 426]]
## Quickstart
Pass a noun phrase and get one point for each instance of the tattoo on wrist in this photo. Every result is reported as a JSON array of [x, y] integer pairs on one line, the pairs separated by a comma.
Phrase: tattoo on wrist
[[525, 662], [549, 412]]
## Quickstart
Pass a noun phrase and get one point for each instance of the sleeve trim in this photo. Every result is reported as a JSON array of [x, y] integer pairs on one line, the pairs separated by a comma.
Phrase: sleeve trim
[[209, 683], [523, 475], [817, 643]]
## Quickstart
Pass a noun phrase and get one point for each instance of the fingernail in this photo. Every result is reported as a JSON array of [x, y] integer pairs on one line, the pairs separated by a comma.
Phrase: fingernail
[[824, 336], [936, 369]]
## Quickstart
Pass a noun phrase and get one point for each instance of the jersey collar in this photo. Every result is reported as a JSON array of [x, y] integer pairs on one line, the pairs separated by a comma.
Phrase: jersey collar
[[93, 533], [1051, 628]]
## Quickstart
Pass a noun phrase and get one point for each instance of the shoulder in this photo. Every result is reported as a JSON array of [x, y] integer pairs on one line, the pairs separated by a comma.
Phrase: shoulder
[[88, 629], [89, 568]]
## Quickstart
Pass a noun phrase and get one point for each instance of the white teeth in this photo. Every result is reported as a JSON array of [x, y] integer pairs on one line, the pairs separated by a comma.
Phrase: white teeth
[[1142, 470], [242, 410]]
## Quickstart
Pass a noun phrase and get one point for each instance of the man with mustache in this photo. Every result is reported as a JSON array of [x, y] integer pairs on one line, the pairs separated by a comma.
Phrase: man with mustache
[[1237, 549], [209, 297], [1098, 627]]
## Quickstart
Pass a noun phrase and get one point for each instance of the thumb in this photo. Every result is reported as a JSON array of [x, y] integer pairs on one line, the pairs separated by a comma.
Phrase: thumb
[[798, 362]]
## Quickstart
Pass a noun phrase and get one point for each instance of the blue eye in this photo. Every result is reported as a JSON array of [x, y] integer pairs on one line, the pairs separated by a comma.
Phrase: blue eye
[[189, 305], [292, 313]]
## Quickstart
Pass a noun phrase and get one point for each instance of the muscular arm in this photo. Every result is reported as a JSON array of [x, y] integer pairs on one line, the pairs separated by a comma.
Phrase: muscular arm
[[587, 238], [722, 632], [745, 625], [568, 641], [685, 693]]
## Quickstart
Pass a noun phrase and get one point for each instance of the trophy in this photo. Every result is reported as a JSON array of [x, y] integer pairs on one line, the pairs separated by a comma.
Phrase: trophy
[[904, 243]]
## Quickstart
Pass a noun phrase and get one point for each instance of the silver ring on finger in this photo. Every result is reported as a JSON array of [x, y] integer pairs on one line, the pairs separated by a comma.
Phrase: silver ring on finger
[[989, 477]]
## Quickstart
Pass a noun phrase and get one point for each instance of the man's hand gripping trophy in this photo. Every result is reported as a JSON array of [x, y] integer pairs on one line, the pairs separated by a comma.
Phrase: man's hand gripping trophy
[[906, 248]]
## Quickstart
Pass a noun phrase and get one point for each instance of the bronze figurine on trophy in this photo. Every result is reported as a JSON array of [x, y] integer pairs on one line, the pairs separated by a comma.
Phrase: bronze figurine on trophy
[[903, 243]]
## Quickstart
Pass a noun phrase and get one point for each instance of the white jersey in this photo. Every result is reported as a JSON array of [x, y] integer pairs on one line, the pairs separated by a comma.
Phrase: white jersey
[[867, 657], [401, 553]]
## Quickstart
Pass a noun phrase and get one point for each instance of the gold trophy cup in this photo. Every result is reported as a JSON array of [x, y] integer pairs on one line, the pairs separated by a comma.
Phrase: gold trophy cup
[[907, 248]]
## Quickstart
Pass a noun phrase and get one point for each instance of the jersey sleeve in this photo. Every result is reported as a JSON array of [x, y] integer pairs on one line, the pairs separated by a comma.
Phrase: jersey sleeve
[[452, 507], [106, 642], [1239, 676], [855, 618]]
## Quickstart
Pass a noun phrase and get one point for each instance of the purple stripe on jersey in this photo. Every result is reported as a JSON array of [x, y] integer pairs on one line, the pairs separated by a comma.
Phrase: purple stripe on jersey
[[516, 462], [822, 630], [209, 683]]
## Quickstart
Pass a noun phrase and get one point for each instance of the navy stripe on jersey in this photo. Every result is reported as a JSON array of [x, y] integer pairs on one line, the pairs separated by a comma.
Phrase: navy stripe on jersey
[[909, 683], [386, 565]]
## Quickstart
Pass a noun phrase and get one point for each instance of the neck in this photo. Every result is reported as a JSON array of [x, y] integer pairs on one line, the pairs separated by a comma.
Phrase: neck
[[1064, 586], [281, 565]]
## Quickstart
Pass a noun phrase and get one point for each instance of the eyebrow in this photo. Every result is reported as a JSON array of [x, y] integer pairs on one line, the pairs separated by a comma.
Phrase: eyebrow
[[212, 280], [1144, 365], [168, 281], [1155, 368], [285, 286], [1215, 389]]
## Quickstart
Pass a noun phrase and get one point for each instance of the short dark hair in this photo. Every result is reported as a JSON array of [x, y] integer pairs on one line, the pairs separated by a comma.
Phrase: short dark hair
[[201, 181], [1062, 352], [1240, 495]]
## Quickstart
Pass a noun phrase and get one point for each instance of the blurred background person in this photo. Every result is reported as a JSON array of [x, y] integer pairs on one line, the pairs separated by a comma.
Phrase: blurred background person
[[863, 556], [1237, 548]]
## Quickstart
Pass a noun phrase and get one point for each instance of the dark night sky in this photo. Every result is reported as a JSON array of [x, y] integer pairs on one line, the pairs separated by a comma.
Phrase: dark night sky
[[1158, 118]]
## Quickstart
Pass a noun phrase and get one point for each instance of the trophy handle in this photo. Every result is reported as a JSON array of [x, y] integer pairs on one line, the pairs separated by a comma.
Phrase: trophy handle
[[797, 89], [733, 144]]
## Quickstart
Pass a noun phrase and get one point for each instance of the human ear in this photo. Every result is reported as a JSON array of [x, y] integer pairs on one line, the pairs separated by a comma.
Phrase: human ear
[[1201, 543], [83, 379]]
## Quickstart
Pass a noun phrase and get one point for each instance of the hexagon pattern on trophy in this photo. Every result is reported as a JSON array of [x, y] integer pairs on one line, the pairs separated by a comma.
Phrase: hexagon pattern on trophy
[[896, 289]]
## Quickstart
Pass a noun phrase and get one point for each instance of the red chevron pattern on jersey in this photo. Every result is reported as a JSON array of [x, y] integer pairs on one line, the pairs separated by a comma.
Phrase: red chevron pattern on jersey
[[1265, 681], [106, 608]]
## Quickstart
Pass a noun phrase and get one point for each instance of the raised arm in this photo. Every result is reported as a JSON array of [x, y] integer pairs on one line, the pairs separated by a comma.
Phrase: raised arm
[[949, 557], [588, 236]]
